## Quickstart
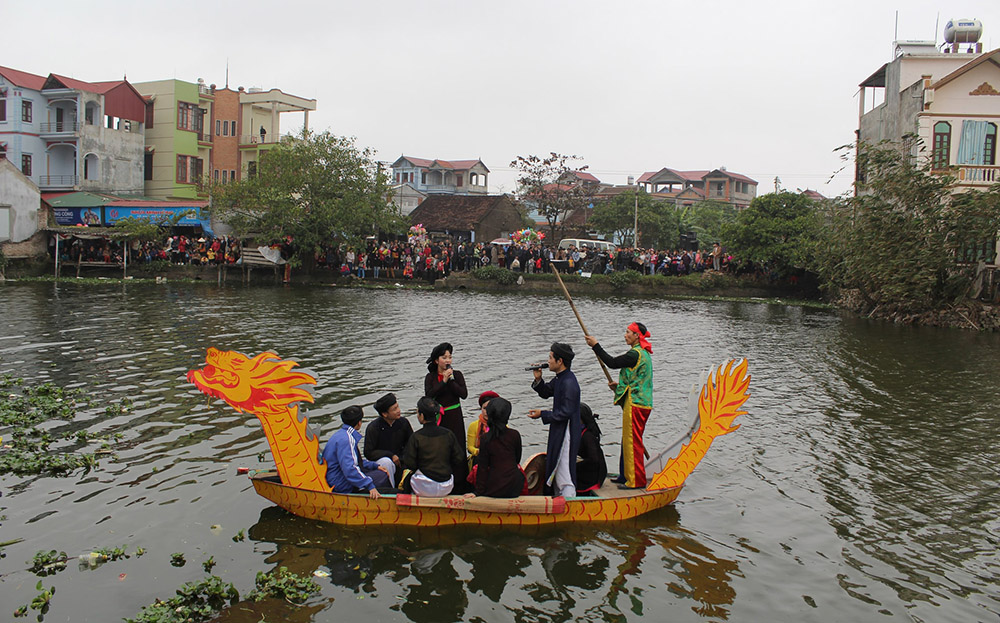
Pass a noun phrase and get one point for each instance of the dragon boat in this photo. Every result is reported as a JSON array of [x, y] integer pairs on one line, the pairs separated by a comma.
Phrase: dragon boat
[[269, 388]]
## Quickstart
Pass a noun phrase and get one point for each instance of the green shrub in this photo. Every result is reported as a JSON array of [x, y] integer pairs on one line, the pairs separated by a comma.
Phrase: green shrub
[[495, 273], [621, 279]]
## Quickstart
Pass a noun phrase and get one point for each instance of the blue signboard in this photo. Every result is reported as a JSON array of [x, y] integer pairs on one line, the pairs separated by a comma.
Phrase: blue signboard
[[78, 216], [191, 216]]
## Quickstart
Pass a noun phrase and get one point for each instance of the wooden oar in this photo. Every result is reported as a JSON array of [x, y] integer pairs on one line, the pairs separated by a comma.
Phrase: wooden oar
[[579, 319]]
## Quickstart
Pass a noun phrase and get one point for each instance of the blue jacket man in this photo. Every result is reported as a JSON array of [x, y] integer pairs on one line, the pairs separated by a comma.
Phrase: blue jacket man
[[565, 428], [346, 470]]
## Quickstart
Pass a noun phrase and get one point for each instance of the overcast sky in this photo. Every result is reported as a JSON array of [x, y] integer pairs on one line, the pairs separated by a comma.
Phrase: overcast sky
[[767, 89]]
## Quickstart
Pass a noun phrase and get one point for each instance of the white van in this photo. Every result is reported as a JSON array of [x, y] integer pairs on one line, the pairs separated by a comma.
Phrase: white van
[[579, 243]]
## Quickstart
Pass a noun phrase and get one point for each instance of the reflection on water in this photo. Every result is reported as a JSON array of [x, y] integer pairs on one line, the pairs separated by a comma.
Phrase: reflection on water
[[862, 484], [533, 574]]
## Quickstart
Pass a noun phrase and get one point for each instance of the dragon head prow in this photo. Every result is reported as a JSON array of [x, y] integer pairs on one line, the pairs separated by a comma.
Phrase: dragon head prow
[[723, 394], [261, 385]]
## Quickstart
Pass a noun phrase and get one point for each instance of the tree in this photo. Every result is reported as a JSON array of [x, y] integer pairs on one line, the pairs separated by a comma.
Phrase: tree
[[707, 220], [781, 230], [659, 225], [899, 240], [320, 189], [544, 182]]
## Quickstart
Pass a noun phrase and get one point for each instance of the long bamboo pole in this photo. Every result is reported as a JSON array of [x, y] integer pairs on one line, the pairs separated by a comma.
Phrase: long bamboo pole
[[578, 318]]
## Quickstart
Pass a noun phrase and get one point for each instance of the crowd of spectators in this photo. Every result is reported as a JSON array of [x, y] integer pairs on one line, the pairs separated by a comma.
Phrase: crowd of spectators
[[432, 259], [178, 249], [419, 260]]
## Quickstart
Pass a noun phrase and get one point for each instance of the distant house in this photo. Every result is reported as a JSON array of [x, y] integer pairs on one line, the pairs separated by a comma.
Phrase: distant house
[[67, 134], [197, 132], [406, 197], [448, 177], [469, 218], [690, 187]]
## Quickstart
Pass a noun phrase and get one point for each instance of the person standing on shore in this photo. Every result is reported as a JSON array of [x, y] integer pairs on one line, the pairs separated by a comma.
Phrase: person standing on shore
[[634, 393], [563, 420]]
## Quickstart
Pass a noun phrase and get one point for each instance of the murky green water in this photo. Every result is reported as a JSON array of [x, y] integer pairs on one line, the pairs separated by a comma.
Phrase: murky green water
[[862, 486]]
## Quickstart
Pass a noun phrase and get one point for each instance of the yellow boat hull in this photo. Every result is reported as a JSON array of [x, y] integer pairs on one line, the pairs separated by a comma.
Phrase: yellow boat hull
[[360, 510]]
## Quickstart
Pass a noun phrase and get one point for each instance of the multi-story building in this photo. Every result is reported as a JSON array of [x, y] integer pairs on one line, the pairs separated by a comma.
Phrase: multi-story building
[[949, 97], [70, 135], [442, 177], [690, 187], [196, 131]]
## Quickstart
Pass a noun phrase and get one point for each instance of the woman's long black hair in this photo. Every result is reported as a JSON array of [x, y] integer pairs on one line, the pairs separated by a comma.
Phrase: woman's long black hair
[[440, 349]]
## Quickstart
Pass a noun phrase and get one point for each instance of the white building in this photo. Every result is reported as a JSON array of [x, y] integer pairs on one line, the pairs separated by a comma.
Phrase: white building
[[66, 134]]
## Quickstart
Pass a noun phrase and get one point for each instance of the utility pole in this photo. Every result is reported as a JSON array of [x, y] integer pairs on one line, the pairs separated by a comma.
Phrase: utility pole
[[635, 224], [777, 184]]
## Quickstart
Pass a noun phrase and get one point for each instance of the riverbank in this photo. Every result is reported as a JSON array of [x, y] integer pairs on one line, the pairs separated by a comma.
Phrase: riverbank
[[711, 286], [701, 286]]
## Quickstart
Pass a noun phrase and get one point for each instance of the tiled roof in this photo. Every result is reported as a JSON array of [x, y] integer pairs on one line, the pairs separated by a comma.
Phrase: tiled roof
[[735, 176], [456, 165], [586, 177], [455, 212], [695, 176], [22, 78]]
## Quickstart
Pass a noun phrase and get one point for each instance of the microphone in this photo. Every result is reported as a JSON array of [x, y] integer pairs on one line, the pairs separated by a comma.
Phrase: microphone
[[537, 366]]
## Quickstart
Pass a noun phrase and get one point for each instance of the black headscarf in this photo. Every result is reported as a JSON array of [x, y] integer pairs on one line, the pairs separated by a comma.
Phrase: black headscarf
[[497, 416], [589, 420]]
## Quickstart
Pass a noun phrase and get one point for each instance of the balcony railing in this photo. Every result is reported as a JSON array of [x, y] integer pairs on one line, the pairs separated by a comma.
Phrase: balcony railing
[[257, 139], [978, 174], [205, 137], [58, 181], [58, 127]]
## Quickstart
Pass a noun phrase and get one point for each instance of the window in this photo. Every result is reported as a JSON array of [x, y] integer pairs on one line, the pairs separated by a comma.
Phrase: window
[[3, 151], [26, 111], [473, 179], [232, 128], [423, 177], [990, 145], [3, 108], [252, 169], [218, 128], [719, 188], [942, 145], [189, 169], [189, 117], [26, 164], [216, 171], [225, 128], [147, 166], [232, 176], [149, 115], [225, 176], [458, 180]]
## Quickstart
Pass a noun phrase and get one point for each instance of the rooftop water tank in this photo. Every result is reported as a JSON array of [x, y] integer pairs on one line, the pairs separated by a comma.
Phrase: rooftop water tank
[[963, 31]]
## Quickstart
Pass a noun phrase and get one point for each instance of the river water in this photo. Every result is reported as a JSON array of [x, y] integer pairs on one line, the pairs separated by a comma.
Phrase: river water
[[862, 485]]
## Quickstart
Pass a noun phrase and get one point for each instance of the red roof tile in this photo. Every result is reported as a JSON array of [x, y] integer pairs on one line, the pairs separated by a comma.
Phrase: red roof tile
[[22, 78], [457, 165]]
